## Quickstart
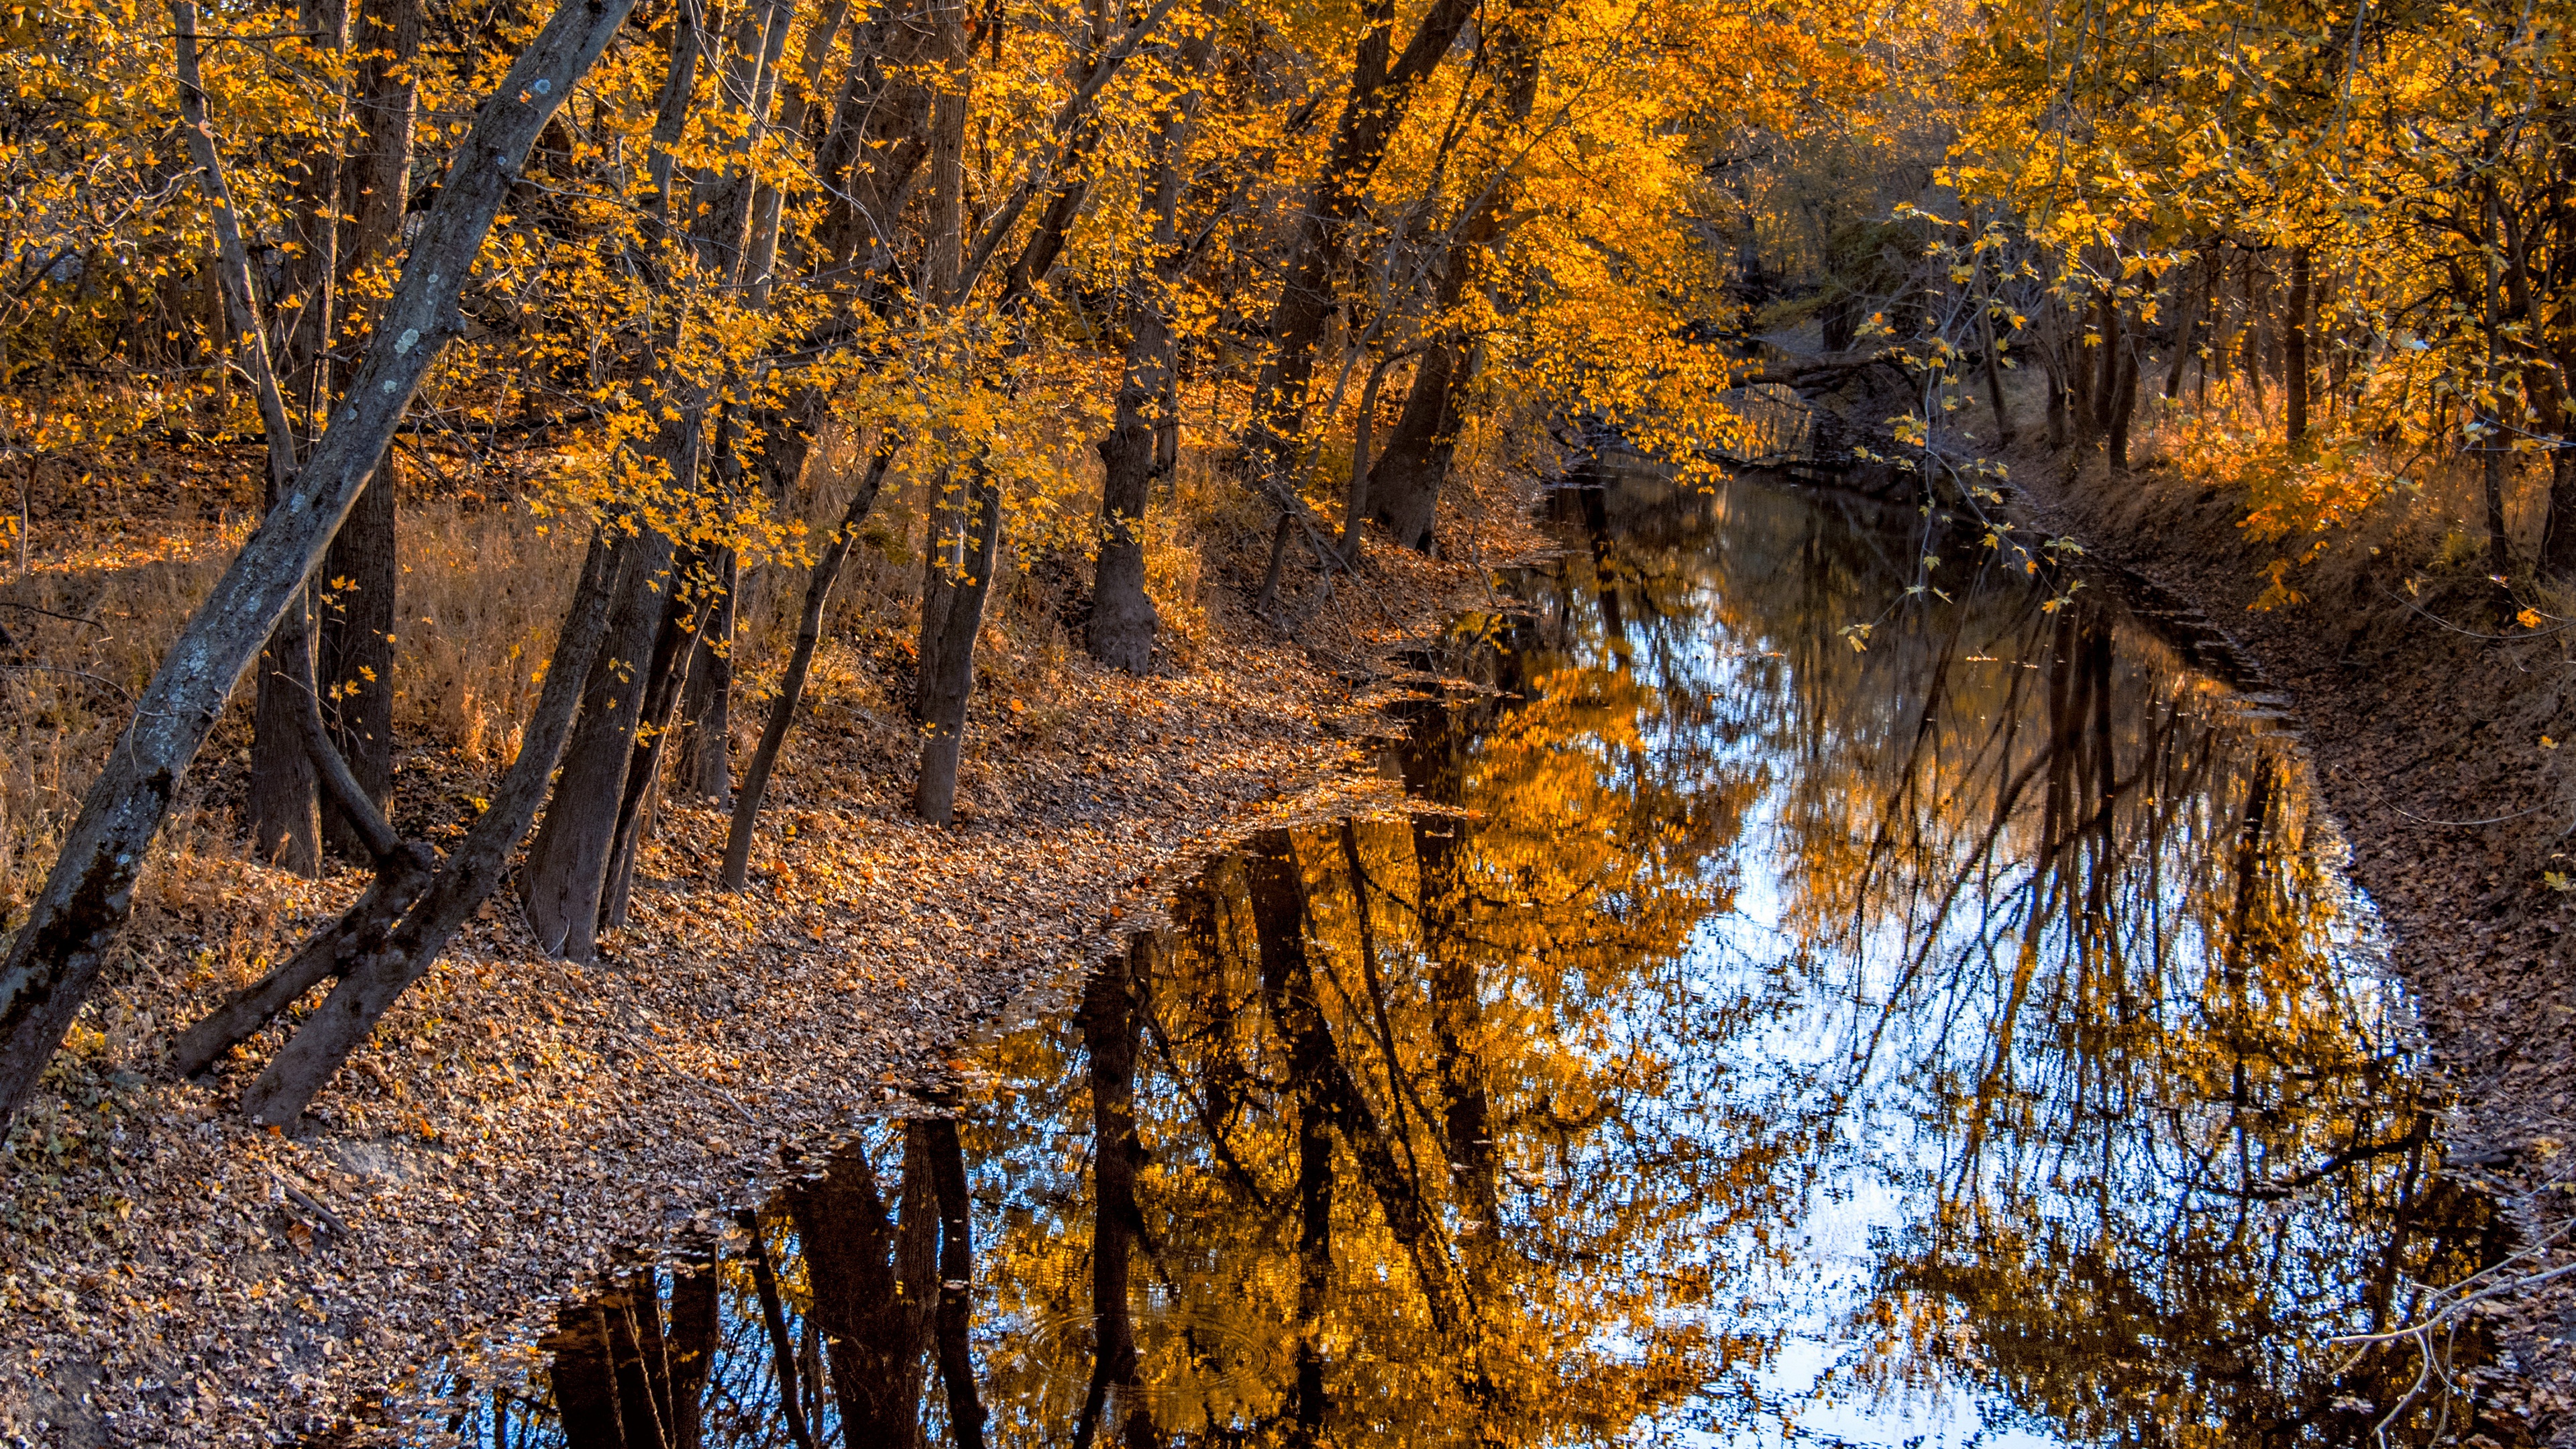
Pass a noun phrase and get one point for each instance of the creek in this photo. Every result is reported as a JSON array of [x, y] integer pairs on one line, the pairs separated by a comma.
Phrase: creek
[[1765, 1029]]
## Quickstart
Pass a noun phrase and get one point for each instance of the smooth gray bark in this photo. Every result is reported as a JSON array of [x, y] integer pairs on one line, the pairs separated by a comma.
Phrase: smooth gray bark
[[54, 961]]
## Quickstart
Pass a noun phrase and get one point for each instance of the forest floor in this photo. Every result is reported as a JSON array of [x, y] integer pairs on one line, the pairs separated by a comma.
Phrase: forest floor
[[168, 1276], [2432, 719]]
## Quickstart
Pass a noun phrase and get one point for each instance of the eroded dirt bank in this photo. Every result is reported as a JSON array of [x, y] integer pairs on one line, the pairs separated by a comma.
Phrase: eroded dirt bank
[[2434, 719]]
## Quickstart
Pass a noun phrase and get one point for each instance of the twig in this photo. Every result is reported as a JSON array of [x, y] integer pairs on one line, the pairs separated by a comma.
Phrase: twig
[[103, 683], [50, 614]]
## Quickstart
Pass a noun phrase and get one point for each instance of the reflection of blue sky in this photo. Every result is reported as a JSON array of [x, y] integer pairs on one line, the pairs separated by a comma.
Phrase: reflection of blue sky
[[1874, 1183]]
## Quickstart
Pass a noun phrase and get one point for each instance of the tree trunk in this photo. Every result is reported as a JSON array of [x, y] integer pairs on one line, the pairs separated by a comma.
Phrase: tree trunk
[[54, 960], [1404, 485], [285, 804], [1355, 499], [706, 736], [354, 663], [952, 616], [2056, 416], [800, 663], [1120, 632], [1994, 369], [1380, 96], [375, 969], [2106, 387], [355, 659], [2294, 349], [2124, 407], [564, 882], [672, 651]]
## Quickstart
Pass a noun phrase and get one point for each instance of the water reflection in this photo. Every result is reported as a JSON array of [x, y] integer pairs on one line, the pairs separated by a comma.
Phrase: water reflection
[[1955, 1040]]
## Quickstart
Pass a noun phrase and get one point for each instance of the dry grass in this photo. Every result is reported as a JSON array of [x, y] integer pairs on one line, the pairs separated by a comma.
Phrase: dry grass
[[484, 585]]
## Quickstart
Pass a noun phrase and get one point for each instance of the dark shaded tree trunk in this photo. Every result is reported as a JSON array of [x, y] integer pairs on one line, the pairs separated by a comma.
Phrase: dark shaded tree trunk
[[1120, 632], [285, 801], [2106, 384], [966, 547], [354, 661], [54, 959], [1404, 486], [564, 883], [2124, 407], [673, 650], [1994, 370], [1381, 95], [706, 738]]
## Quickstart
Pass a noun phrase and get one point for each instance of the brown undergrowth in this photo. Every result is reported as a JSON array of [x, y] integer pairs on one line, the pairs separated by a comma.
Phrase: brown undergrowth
[[168, 1276], [2435, 714]]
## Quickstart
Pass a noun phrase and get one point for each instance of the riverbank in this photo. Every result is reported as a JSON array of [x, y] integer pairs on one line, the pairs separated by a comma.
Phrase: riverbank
[[2434, 732], [172, 1277]]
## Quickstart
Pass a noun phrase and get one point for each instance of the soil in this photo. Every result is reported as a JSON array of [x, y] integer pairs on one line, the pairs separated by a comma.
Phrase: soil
[[169, 1276], [2433, 717]]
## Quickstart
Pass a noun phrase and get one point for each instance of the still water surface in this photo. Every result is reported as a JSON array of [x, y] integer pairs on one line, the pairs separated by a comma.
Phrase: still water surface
[[1964, 1040]]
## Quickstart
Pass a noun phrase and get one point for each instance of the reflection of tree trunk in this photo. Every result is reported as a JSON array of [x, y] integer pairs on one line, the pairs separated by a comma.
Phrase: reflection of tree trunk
[[617, 1383], [1109, 1040], [1288, 987], [773, 1319], [1314, 1257], [956, 1281], [850, 1265], [696, 1326]]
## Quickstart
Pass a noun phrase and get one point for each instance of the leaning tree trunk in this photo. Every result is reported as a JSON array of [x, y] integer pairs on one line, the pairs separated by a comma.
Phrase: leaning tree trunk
[[800, 664], [1381, 95], [54, 960], [377, 968], [577, 853]]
